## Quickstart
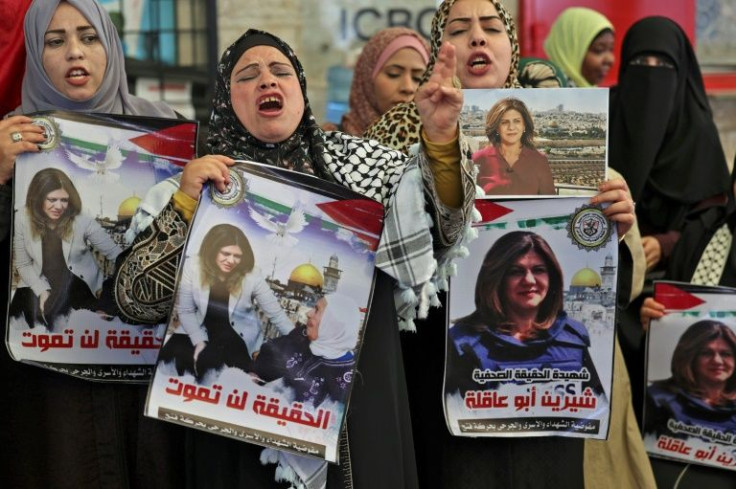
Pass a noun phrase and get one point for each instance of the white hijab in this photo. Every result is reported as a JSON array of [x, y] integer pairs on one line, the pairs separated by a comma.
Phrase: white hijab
[[338, 330]]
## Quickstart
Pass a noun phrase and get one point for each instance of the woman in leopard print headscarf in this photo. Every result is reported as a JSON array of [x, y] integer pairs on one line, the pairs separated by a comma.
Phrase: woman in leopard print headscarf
[[484, 36]]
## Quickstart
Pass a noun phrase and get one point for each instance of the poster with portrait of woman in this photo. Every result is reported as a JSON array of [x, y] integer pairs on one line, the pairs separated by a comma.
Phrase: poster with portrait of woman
[[690, 409], [531, 322], [271, 299], [529, 142], [76, 202]]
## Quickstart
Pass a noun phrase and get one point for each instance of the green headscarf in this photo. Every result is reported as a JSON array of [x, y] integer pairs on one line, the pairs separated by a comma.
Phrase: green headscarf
[[570, 37]]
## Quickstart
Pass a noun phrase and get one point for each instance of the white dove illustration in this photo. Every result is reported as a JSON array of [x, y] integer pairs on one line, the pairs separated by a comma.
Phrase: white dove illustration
[[282, 233], [102, 170]]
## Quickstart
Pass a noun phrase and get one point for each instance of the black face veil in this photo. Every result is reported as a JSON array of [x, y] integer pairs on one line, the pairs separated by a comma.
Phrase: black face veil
[[663, 139]]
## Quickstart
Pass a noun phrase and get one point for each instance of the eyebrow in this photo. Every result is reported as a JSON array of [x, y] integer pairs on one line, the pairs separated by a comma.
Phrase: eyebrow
[[402, 67], [63, 31], [270, 65], [468, 19]]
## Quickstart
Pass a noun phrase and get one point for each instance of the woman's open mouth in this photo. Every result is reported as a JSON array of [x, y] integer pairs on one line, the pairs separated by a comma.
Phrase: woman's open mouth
[[479, 64], [270, 104], [77, 76]]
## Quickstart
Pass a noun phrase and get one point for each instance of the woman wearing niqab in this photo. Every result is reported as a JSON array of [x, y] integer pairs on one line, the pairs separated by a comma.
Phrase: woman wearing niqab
[[663, 139]]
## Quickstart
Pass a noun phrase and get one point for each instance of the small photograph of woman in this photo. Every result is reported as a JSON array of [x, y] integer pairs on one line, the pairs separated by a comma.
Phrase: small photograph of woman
[[216, 309], [317, 359], [54, 252], [518, 321], [511, 165], [702, 388]]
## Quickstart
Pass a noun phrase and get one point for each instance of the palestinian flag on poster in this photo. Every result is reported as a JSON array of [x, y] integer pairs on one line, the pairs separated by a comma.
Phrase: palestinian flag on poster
[[282, 376], [690, 412], [530, 326], [94, 172], [357, 222]]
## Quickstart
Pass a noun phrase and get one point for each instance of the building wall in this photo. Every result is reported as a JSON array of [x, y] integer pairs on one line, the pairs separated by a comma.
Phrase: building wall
[[323, 33]]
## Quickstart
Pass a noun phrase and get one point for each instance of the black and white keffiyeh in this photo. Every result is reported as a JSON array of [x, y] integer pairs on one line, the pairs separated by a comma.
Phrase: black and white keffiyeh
[[713, 261], [406, 249]]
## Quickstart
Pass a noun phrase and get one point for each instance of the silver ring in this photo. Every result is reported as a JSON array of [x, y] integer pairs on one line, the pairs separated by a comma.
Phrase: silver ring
[[16, 137]]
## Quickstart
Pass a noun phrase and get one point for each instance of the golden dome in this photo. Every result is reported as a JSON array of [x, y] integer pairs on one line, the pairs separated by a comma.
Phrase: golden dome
[[128, 207], [307, 274], [586, 277]]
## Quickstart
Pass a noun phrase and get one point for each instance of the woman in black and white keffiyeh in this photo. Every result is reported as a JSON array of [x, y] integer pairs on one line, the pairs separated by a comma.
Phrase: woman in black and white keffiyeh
[[261, 113]]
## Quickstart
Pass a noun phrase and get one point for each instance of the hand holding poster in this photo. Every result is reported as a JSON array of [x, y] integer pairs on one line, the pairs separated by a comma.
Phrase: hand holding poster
[[75, 205], [270, 305], [531, 327], [690, 412]]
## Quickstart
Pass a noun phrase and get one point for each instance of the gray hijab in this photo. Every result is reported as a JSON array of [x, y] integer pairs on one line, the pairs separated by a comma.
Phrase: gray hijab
[[112, 97]]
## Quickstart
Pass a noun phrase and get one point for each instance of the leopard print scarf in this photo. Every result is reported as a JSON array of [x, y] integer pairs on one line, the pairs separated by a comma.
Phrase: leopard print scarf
[[399, 127]]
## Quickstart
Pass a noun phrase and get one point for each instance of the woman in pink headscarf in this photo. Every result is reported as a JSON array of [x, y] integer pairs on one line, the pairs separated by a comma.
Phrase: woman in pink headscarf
[[387, 73]]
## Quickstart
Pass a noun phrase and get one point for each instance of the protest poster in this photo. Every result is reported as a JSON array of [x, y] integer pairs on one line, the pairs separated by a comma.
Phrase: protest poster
[[271, 299], [690, 409], [531, 321], [73, 205], [537, 142]]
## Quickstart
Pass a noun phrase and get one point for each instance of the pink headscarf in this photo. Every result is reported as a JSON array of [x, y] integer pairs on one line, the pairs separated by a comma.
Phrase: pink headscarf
[[363, 105]]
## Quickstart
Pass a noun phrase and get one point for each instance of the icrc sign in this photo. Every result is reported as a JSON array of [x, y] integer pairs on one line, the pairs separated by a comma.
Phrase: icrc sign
[[362, 23]]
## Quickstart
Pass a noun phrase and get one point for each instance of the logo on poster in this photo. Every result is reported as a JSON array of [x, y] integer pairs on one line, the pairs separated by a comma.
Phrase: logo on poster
[[235, 192], [588, 228], [51, 128]]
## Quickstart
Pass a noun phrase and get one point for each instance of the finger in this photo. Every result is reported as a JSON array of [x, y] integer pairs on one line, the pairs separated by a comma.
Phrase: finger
[[15, 120], [614, 195], [449, 60], [221, 169], [618, 207], [444, 67], [223, 159], [15, 149], [220, 178], [28, 147], [651, 303], [33, 129], [653, 314], [23, 131], [427, 89], [451, 94], [613, 184]]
